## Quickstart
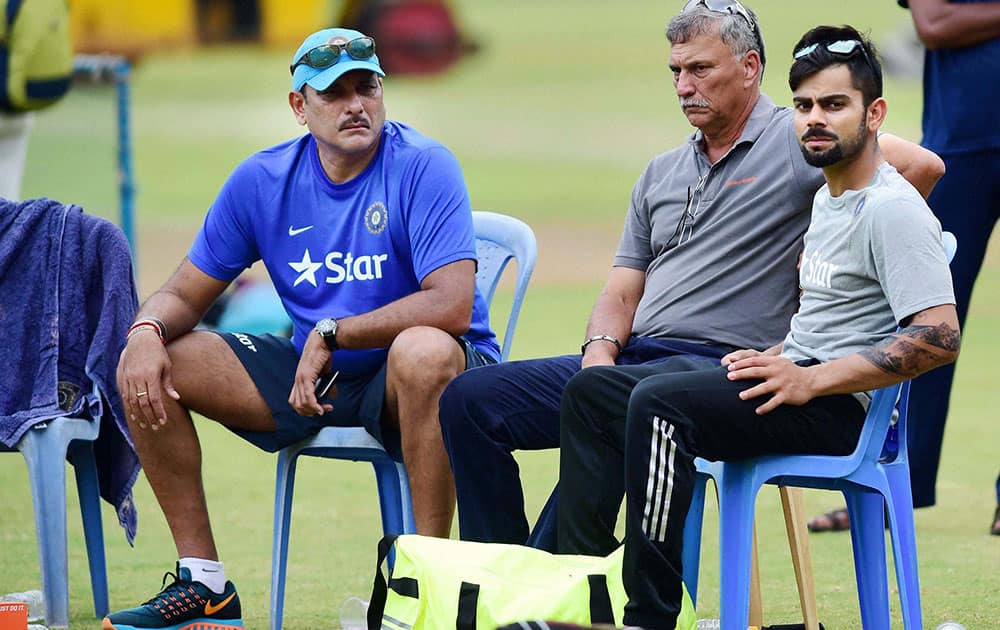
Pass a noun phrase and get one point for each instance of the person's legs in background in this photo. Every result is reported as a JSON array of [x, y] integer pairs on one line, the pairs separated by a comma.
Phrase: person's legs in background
[[995, 527], [14, 132], [967, 202]]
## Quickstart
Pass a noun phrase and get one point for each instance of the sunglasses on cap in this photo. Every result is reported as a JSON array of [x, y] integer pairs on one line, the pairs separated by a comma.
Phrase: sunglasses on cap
[[326, 55], [732, 7]]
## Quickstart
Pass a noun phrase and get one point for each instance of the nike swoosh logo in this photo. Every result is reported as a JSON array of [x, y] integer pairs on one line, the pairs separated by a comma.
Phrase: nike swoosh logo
[[211, 609], [293, 231]]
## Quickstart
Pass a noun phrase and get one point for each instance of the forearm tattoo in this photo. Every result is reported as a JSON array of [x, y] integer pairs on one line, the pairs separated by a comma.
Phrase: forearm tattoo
[[914, 350]]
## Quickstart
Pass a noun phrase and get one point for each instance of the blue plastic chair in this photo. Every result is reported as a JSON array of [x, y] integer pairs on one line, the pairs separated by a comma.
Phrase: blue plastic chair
[[793, 507], [499, 239], [45, 448], [875, 481]]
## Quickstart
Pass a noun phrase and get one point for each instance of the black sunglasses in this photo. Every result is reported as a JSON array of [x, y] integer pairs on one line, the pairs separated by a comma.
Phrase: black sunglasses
[[732, 7], [326, 55]]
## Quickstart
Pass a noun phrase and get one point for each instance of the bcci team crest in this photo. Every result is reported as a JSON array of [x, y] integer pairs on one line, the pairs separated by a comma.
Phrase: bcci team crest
[[376, 217]]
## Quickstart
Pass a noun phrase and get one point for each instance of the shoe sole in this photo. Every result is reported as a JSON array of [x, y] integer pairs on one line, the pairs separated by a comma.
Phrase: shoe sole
[[195, 624]]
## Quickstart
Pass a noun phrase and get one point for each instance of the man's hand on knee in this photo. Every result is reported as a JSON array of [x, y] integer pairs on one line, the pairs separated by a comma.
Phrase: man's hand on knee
[[144, 377], [786, 382]]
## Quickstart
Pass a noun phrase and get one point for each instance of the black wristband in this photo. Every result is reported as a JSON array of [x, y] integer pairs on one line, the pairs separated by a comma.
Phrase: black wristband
[[608, 338]]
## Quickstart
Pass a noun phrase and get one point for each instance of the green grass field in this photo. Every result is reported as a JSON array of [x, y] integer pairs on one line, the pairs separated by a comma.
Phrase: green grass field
[[552, 122]]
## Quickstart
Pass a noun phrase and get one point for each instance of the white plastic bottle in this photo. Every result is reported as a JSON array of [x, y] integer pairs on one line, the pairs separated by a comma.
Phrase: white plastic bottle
[[354, 614]]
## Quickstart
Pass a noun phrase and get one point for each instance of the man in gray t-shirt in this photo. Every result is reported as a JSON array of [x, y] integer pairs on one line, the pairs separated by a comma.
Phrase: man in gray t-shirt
[[706, 264], [873, 260]]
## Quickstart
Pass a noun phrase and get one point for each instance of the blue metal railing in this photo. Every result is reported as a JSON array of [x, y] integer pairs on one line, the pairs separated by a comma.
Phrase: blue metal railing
[[116, 70]]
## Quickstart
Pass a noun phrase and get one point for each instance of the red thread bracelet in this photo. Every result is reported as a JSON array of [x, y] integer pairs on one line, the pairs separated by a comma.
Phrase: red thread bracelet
[[144, 324]]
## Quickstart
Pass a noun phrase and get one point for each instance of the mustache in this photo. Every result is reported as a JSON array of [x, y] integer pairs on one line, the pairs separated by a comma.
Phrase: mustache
[[819, 133], [354, 121], [693, 102]]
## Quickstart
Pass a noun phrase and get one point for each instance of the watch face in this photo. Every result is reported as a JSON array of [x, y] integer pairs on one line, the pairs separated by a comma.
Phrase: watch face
[[326, 326]]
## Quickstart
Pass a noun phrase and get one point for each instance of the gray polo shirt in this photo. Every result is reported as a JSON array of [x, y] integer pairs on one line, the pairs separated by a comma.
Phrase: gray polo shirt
[[725, 273]]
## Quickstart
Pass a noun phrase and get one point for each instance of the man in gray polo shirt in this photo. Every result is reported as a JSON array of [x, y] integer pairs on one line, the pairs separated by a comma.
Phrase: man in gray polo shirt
[[706, 264], [873, 260]]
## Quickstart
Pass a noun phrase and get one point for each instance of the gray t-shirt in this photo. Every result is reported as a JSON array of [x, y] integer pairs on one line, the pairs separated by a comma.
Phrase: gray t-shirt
[[727, 275], [873, 257]]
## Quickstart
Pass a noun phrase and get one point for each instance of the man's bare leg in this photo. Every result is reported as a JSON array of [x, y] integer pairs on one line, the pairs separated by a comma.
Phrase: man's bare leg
[[212, 382], [422, 361]]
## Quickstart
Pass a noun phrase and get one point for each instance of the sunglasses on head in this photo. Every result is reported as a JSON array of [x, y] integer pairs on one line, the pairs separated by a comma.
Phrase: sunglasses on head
[[732, 7], [846, 48], [326, 55], [843, 47]]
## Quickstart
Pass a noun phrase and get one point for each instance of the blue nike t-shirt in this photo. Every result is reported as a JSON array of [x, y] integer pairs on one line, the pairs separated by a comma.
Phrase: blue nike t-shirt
[[336, 250]]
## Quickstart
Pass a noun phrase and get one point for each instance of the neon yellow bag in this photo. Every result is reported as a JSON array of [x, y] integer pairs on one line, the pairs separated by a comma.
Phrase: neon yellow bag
[[437, 584]]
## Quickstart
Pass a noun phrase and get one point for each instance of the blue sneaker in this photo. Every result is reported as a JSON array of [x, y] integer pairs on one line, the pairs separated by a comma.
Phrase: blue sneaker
[[182, 605]]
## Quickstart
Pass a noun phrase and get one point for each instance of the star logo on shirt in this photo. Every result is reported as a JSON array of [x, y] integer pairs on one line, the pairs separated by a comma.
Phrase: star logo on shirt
[[306, 269]]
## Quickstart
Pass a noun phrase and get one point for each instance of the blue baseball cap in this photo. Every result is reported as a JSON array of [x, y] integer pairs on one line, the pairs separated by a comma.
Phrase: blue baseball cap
[[322, 78]]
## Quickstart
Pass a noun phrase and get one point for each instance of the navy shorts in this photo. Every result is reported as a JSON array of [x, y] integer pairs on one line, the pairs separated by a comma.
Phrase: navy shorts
[[271, 362]]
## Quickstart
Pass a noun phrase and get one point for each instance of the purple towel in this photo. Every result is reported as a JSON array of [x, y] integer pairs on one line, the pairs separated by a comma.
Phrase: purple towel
[[67, 298]]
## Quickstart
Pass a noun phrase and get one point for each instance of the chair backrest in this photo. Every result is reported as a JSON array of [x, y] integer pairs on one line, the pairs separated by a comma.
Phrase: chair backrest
[[500, 238]]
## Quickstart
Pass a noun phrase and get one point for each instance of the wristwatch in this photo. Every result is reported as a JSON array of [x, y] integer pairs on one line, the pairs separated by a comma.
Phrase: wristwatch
[[327, 329]]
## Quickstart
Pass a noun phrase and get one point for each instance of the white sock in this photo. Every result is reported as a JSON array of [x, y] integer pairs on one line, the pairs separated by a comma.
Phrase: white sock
[[208, 572]]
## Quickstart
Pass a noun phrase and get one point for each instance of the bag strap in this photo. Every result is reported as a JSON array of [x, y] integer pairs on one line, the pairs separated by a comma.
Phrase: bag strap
[[468, 604], [407, 587], [376, 606], [600, 600], [601, 610]]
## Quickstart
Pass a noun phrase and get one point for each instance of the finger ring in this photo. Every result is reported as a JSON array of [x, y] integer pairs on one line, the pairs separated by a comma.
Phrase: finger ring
[[140, 394]]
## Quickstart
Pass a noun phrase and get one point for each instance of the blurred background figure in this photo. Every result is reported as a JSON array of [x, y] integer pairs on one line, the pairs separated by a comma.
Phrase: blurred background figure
[[36, 63], [414, 36], [963, 58], [995, 527]]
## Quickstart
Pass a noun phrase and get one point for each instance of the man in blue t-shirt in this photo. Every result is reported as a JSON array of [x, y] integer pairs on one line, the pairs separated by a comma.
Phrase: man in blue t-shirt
[[365, 228]]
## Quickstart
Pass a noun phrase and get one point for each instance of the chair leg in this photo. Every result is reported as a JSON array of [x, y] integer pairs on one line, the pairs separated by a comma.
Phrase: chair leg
[[868, 540], [390, 496], [691, 553], [735, 547], [904, 546], [283, 490], [756, 605], [88, 490], [47, 475], [793, 504], [406, 500]]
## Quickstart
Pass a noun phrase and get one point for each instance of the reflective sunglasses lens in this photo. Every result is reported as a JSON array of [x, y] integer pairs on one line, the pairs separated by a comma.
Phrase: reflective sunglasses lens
[[361, 48], [718, 6], [843, 47], [805, 50], [322, 56]]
